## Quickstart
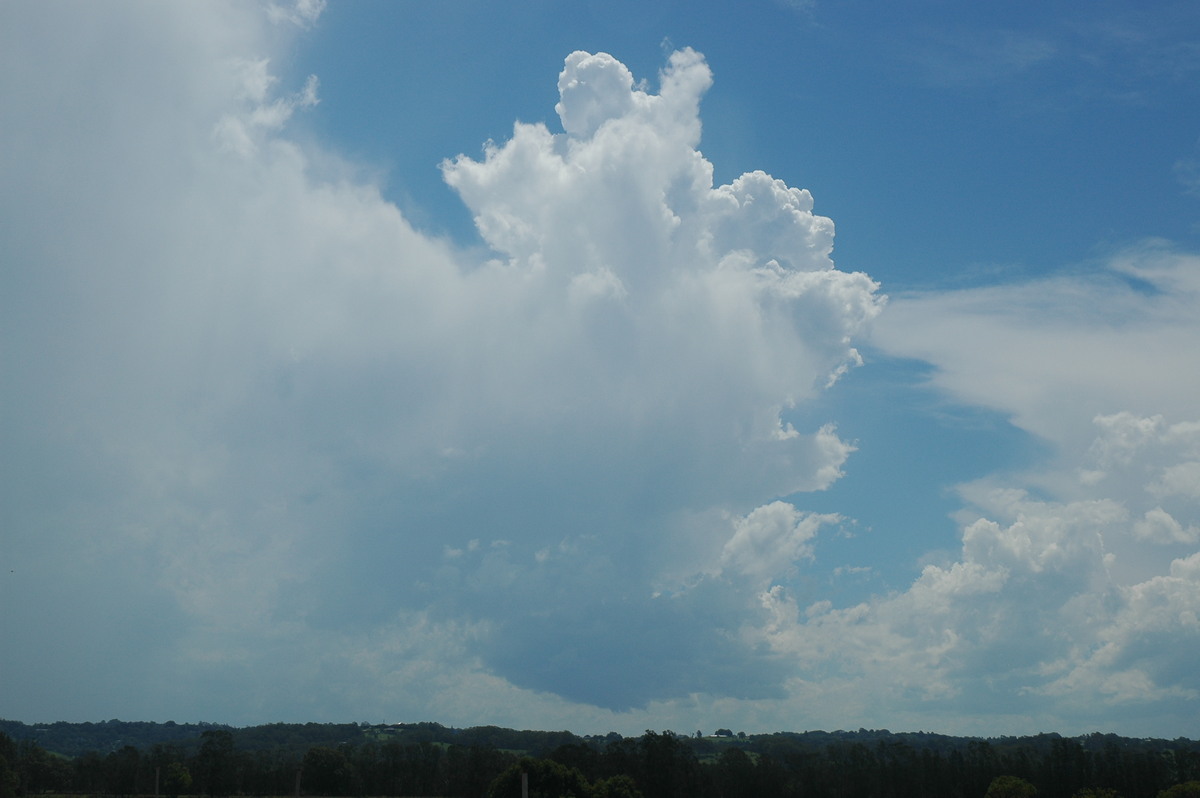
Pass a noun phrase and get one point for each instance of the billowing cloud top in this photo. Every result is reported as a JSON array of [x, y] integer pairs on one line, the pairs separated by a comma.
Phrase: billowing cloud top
[[663, 325]]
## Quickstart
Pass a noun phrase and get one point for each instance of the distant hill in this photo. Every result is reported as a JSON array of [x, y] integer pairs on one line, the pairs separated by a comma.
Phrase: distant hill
[[346, 759], [75, 739], [104, 737]]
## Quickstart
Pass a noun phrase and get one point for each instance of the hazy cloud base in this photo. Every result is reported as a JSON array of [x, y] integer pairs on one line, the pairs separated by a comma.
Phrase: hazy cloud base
[[271, 453]]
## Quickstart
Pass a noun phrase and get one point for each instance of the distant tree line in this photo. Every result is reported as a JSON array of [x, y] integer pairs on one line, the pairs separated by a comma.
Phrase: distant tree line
[[356, 760]]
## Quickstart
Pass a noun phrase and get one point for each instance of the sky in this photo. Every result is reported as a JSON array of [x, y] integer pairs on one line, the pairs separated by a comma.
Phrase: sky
[[499, 364]]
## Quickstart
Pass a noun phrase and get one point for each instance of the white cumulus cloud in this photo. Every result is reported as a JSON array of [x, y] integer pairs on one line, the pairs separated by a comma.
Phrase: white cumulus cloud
[[771, 539], [253, 411]]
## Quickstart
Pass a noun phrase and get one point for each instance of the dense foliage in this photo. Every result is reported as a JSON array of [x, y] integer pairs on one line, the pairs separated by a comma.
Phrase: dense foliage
[[427, 759]]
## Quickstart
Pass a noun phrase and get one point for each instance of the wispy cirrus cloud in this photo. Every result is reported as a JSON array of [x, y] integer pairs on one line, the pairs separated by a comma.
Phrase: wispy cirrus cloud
[[969, 57]]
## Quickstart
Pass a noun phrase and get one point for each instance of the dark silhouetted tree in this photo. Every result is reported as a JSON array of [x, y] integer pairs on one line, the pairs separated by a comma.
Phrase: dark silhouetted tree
[[547, 779], [121, 770], [1097, 792], [175, 780], [616, 787], [326, 772], [1188, 789], [1010, 787], [215, 765]]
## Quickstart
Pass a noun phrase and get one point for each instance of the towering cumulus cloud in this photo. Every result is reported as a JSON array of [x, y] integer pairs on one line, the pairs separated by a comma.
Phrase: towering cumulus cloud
[[318, 462], [653, 301], [657, 326]]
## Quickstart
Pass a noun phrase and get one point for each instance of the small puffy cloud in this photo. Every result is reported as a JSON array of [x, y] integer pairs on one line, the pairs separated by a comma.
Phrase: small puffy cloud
[[1147, 648], [1182, 480], [770, 540], [1122, 435], [301, 13], [594, 89], [1148, 464], [242, 131], [1158, 525]]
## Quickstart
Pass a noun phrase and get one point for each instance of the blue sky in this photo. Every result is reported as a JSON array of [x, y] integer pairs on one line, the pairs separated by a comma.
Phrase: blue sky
[[444, 361]]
